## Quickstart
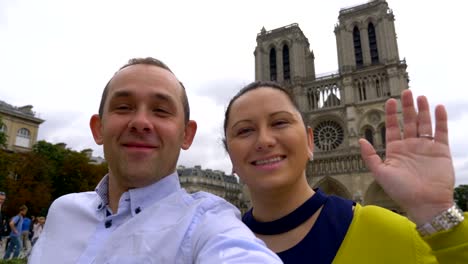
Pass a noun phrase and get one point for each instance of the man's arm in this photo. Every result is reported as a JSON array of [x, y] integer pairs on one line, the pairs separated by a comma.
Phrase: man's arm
[[13, 225], [221, 237]]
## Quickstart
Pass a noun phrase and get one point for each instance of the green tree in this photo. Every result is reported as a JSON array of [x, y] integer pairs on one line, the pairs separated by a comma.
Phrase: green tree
[[70, 171], [28, 183], [3, 136], [461, 196]]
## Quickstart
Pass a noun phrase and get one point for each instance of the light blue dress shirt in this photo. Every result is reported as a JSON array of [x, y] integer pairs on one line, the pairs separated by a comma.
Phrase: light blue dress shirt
[[160, 223]]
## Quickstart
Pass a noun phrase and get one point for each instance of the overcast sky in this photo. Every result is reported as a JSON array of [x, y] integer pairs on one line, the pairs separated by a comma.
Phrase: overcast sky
[[57, 55]]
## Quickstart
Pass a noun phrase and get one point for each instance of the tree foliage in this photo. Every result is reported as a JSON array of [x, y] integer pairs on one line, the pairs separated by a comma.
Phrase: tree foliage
[[461, 196], [49, 171], [3, 136]]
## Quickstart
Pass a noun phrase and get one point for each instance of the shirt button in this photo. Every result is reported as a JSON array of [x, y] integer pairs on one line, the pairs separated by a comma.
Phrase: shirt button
[[138, 210], [108, 223]]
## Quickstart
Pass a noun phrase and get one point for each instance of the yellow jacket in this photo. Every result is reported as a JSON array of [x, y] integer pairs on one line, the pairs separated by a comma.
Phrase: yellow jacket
[[377, 235]]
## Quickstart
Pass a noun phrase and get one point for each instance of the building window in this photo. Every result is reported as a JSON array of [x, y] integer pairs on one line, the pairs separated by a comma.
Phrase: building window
[[286, 66], [383, 136], [373, 44], [23, 138], [273, 64], [357, 47], [328, 135], [378, 90], [3, 128], [362, 91], [369, 135]]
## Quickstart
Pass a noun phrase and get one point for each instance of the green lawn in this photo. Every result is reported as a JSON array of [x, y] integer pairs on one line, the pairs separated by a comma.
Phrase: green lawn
[[14, 261]]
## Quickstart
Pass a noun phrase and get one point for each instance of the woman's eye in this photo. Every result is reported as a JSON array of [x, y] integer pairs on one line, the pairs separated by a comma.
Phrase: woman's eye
[[280, 123], [243, 131]]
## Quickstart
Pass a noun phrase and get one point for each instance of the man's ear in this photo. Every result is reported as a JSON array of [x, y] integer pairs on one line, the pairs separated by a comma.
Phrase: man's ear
[[190, 131], [96, 128]]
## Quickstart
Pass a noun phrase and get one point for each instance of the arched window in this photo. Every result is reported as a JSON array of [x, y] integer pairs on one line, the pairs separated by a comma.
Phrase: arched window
[[286, 67], [383, 136], [362, 91], [377, 88], [373, 44], [273, 64], [369, 135], [357, 47], [23, 138], [3, 128]]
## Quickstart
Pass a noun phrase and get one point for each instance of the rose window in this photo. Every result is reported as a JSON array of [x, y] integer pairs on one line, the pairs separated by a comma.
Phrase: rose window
[[328, 135]]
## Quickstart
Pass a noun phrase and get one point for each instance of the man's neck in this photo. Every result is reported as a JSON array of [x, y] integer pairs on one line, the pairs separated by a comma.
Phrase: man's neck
[[114, 192]]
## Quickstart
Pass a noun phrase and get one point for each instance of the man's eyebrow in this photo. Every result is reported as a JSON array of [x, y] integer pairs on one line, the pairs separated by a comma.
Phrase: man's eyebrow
[[121, 94], [163, 97]]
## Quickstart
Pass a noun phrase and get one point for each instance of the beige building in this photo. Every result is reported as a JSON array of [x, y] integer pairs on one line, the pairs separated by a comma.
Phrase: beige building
[[213, 181], [346, 105], [21, 126]]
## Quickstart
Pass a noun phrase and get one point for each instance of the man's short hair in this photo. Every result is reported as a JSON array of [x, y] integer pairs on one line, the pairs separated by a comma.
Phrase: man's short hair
[[147, 61], [23, 207]]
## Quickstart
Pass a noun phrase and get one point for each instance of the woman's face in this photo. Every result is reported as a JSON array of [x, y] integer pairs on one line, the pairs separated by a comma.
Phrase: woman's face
[[266, 139]]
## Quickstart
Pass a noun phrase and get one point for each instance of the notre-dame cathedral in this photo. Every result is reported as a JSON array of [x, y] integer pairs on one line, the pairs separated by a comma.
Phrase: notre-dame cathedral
[[344, 106]]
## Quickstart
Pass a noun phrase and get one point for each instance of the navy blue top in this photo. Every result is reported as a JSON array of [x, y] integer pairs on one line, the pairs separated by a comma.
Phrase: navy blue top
[[324, 239]]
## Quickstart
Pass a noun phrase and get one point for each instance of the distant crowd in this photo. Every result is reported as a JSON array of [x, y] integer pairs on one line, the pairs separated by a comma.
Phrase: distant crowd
[[20, 232]]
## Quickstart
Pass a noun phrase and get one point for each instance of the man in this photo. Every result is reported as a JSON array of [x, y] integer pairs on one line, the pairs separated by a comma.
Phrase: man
[[139, 213], [2, 226], [15, 223], [25, 233]]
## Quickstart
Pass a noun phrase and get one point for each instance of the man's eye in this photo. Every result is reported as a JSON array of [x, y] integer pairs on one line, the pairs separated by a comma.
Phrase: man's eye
[[123, 107], [160, 110]]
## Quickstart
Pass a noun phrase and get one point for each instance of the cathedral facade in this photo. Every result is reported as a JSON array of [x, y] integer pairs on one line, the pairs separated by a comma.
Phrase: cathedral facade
[[344, 106]]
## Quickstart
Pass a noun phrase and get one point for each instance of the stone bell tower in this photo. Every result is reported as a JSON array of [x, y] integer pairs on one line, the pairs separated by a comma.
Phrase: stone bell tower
[[346, 105]]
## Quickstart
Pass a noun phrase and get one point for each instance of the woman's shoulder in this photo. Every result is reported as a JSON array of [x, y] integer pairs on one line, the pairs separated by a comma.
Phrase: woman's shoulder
[[382, 234], [380, 217]]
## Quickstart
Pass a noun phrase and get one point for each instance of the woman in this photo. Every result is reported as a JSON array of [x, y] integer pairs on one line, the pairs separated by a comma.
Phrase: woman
[[37, 229], [269, 147]]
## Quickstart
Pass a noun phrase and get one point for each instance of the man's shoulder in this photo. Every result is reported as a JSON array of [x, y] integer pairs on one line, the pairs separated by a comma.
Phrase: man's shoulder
[[208, 201], [71, 199]]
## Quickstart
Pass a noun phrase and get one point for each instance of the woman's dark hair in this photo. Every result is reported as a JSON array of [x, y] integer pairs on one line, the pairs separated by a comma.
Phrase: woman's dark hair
[[250, 87]]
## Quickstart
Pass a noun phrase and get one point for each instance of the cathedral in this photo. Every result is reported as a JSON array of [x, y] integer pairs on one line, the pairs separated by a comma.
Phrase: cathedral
[[346, 105]]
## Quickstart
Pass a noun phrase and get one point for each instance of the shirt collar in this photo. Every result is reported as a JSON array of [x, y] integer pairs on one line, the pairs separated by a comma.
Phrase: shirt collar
[[141, 198]]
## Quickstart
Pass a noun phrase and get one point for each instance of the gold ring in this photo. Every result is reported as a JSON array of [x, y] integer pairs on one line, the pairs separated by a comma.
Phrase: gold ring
[[426, 136]]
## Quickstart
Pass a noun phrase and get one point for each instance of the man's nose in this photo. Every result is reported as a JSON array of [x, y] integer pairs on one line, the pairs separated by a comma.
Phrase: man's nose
[[140, 122]]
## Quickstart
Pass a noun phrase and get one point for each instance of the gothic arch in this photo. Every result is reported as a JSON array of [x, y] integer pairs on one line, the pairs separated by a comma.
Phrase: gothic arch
[[286, 59], [273, 64], [372, 117], [332, 186], [371, 19], [373, 42], [368, 133], [357, 43], [350, 27], [375, 195], [382, 134]]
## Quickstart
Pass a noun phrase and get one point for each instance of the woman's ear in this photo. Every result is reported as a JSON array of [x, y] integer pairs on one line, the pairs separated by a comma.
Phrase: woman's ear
[[310, 142]]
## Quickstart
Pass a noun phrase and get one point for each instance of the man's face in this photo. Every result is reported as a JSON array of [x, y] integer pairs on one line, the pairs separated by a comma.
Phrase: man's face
[[142, 127], [24, 212]]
